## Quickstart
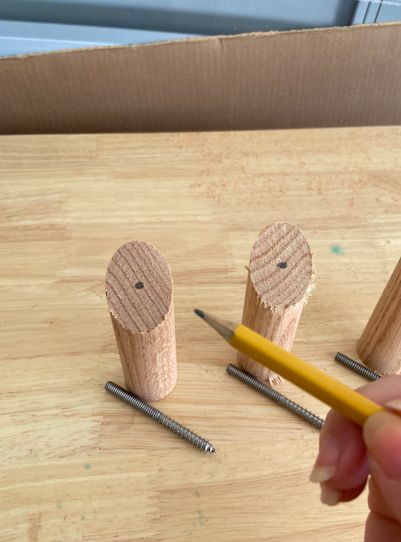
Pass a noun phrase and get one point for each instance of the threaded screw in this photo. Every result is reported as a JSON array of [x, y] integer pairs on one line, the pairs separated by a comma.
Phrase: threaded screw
[[158, 416], [356, 367], [277, 397]]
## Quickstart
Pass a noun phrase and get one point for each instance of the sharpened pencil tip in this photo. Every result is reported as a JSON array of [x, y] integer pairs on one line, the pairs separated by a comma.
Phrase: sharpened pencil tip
[[225, 329], [199, 313]]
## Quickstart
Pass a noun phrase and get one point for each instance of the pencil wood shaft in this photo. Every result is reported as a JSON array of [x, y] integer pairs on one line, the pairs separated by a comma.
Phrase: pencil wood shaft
[[334, 393]]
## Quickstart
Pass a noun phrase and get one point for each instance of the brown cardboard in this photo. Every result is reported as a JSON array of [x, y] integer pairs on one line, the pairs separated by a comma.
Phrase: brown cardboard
[[323, 77]]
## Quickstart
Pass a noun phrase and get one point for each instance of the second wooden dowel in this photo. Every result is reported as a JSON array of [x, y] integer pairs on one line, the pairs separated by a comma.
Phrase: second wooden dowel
[[279, 282]]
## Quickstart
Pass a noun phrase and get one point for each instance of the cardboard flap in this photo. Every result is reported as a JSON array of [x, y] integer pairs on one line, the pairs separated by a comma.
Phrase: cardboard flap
[[324, 77]]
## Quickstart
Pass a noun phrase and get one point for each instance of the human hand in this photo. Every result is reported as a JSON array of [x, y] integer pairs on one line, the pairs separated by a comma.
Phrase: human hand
[[348, 454]]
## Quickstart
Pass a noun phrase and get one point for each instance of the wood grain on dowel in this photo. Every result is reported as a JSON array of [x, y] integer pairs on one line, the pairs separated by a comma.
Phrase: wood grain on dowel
[[279, 282], [380, 343], [140, 297]]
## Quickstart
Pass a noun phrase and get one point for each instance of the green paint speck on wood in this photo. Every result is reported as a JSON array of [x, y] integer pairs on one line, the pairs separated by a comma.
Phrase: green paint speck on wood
[[88, 466], [337, 249]]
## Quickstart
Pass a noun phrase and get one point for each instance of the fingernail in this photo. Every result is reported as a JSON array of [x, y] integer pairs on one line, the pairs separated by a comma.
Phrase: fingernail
[[382, 434], [322, 474], [329, 495], [327, 460]]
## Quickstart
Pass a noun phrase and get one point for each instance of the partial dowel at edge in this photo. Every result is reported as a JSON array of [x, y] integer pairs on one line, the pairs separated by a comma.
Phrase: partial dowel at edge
[[380, 343], [139, 293], [279, 282]]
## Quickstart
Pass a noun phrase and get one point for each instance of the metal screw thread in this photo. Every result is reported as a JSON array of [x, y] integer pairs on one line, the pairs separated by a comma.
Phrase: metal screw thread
[[357, 367], [159, 417], [277, 397]]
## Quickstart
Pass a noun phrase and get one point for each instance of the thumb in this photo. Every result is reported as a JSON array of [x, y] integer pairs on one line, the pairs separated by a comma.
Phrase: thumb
[[382, 435]]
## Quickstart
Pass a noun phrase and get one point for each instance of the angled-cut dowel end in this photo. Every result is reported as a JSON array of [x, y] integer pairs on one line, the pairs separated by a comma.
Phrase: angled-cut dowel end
[[380, 344], [280, 279], [139, 294]]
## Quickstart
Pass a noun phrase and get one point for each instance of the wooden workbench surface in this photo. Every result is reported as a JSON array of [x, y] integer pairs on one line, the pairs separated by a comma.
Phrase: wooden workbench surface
[[76, 464]]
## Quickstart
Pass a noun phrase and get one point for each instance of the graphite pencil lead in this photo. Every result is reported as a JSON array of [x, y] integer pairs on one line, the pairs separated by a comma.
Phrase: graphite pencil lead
[[225, 329]]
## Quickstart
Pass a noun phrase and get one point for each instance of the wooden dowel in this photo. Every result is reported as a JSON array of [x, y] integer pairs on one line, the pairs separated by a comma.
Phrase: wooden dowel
[[279, 282], [380, 343], [140, 297]]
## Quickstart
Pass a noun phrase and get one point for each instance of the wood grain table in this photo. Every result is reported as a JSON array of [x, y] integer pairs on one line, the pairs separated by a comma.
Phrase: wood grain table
[[76, 464]]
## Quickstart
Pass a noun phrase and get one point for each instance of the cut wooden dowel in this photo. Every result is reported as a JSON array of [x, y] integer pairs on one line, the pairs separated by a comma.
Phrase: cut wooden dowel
[[380, 343], [140, 297], [279, 282]]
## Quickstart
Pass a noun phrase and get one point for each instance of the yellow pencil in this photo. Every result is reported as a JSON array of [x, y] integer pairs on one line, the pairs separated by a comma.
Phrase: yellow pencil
[[343, 399]]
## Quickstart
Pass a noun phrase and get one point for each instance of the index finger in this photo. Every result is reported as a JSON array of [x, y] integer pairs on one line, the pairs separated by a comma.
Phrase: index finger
[[342, 460]]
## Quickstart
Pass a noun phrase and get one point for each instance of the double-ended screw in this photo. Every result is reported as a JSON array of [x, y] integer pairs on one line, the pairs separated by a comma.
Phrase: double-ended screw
[[277, 397], [152, 412]]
